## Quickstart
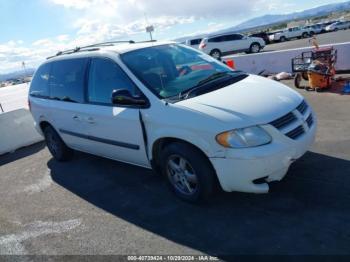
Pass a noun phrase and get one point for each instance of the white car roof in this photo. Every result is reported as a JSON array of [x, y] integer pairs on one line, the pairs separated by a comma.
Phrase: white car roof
[[119, 48]]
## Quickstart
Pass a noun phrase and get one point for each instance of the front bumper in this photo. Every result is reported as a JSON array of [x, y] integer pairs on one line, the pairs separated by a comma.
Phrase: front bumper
[[240, 167]]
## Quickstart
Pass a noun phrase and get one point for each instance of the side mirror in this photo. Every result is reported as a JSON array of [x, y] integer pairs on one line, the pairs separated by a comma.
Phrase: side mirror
[[125, 98]]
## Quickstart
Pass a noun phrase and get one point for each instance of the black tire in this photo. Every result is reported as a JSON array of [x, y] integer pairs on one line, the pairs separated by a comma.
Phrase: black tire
[[297, 81], [254, 48], [56, 146], [204, 173], [216, 53], [305, 76], [312, 33], [283, 39]]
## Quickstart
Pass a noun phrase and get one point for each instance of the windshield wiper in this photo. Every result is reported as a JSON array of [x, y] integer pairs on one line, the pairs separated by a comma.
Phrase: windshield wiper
[[218, 75]]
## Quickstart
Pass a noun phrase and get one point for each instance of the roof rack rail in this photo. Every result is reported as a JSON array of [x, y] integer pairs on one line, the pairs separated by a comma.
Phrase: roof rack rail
[[93, 47]]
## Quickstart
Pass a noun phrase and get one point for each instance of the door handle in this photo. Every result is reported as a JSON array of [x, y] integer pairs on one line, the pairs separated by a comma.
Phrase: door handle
[[76, 118], [90, 120]]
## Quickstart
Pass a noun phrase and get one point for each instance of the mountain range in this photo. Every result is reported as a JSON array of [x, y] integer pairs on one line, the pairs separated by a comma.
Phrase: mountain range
[[17, 74], [272, 19], [280, 18]]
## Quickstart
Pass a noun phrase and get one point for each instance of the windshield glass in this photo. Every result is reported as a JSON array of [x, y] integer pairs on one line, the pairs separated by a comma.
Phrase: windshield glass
[[170, 70]]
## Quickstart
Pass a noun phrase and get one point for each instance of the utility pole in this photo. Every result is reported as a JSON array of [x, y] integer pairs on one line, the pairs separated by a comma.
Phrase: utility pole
[[149, 28]]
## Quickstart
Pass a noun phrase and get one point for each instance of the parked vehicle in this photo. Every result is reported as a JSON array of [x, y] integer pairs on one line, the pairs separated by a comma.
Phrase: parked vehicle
[[194, 43], [290, 33], [229, 43], [316, 29], [174, 109], [262, 35], [338, 26]]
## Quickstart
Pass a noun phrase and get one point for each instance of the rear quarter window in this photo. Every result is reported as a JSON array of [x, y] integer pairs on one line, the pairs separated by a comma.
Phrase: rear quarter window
[[39, 86], [67, 80]]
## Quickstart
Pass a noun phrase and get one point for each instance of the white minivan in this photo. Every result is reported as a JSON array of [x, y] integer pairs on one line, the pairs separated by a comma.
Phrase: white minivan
[[176, 110]]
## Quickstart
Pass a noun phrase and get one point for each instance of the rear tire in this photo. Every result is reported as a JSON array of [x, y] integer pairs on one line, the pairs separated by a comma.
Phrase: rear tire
[[283, 39], [305, 35], [215, 53], [254, 48], [189, 172], [56, 146]]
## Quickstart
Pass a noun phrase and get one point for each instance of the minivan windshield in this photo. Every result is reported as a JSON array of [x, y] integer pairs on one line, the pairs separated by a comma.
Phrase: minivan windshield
[[175, 70]]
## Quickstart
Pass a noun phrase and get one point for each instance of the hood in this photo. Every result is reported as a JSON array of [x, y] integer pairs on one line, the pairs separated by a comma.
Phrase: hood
[[252, 101]]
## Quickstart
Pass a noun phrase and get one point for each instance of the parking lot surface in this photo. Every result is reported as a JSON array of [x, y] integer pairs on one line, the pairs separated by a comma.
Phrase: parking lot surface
[[98, 206], [341, 36]]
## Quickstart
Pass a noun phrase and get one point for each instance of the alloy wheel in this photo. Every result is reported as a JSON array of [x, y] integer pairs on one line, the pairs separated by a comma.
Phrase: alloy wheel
[[181, 175]]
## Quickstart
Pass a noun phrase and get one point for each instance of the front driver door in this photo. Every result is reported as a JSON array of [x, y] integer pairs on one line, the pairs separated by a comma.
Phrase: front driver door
[[114, 132]]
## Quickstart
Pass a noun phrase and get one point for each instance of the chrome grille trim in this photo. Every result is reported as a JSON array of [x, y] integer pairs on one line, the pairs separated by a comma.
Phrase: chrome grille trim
[[295, 123]]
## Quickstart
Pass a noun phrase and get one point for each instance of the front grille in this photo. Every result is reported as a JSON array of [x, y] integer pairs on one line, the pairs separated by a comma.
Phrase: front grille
[[310, 121], [302, 107], [293, 124], [284, 121], [295, 133]]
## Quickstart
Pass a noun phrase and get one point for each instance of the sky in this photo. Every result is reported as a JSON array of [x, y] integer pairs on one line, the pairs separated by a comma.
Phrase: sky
[[31, 30]]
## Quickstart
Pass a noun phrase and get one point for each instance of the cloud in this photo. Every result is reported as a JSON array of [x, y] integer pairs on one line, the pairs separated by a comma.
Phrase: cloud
[[78, 4], [103, 20], [131, 9]]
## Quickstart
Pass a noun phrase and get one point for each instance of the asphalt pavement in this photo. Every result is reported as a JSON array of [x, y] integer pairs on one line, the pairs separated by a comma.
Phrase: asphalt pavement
[[95, 206]]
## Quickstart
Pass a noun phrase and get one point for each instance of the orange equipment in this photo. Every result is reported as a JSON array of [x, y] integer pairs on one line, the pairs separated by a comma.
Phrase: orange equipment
[[317, 67]]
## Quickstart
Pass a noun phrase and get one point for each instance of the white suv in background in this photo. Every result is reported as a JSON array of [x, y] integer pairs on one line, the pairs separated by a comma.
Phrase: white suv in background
[[338, 26], [219, 45], [171, 108], [194, 43]]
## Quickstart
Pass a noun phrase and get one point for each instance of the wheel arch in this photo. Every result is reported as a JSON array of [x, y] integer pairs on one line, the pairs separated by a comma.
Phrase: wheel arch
[[161, 143], [43, 124]]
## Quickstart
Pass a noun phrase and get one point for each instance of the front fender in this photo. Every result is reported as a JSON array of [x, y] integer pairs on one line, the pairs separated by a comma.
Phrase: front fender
[[201, 141]]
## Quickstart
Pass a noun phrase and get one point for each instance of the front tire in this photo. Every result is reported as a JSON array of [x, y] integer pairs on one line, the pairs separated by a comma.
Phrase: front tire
[[189, 172], [56, 146]]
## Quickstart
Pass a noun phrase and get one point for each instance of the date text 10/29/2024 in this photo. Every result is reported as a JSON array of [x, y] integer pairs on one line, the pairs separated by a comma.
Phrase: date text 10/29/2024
[[172, 258]]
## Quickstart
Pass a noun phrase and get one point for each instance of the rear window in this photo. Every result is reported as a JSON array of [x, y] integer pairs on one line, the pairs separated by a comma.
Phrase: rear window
[[196, 41], [39, 85], [67, 80]]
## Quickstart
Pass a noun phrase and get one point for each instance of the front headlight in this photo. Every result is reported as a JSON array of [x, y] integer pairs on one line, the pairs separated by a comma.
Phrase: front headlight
[[244, 137]]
